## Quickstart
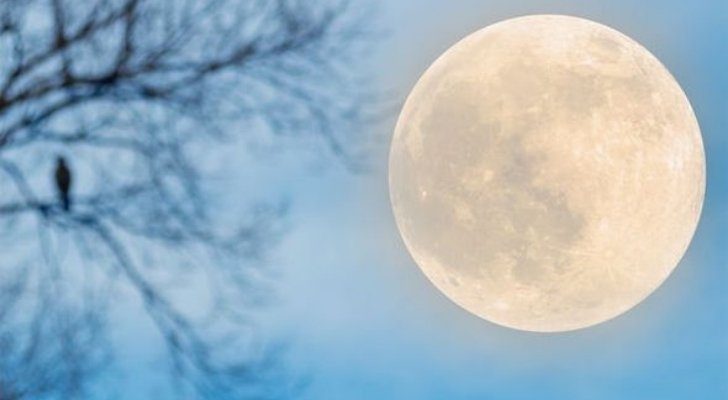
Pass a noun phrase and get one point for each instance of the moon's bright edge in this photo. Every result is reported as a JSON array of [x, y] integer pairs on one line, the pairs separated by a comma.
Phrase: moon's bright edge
[[547, 173]]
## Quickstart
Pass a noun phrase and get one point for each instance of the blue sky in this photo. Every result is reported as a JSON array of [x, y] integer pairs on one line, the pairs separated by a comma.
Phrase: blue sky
[[366, 324]]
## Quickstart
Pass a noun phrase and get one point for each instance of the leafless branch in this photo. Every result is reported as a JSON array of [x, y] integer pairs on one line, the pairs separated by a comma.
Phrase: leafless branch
[[137, 92]]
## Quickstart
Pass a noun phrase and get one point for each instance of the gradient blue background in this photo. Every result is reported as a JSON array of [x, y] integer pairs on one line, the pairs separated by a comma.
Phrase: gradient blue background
[[364, 323]]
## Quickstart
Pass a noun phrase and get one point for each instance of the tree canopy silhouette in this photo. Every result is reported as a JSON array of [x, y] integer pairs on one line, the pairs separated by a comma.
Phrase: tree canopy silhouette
[[136, 93]]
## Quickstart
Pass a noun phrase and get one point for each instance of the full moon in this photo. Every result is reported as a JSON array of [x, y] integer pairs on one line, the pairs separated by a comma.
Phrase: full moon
[[547, 173]]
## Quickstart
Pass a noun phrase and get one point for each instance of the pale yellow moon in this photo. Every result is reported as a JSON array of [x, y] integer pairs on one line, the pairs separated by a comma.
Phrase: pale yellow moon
[[547, 173]]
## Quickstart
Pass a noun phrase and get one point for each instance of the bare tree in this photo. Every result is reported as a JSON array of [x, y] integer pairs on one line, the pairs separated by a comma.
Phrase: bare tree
[[136, 93], [47, 349]]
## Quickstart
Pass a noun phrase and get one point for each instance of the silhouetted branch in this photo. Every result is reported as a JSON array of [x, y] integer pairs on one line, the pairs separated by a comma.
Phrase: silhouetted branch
[[137, 91]]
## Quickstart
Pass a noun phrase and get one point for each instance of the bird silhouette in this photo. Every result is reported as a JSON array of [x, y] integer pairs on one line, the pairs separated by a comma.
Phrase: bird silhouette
[[63, 183]]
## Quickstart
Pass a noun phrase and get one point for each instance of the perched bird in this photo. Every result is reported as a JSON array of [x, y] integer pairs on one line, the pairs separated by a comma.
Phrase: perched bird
[[63, 182]]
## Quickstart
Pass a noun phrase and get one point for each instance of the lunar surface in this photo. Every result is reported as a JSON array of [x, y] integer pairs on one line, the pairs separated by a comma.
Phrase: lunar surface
[[547, 173]]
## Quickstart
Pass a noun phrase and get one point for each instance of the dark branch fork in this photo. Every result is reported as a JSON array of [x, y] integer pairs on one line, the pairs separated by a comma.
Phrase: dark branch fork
[[145, 84]]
